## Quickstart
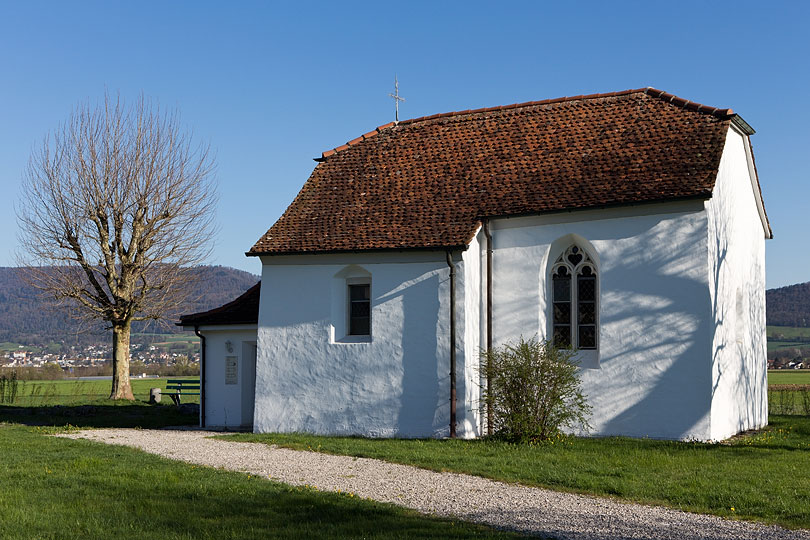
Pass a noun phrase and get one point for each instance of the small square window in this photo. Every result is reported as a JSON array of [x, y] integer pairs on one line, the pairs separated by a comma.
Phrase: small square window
[[360, 310]]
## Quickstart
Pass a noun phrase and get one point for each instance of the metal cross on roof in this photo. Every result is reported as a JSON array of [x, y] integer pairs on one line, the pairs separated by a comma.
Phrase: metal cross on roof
[[397, 99]]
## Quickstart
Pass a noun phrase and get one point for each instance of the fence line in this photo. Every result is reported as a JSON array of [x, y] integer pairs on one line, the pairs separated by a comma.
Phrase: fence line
[[790, 399]]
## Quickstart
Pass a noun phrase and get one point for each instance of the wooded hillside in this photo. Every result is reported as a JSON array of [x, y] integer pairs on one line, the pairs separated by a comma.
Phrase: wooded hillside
[[27, 318], [789, 306]]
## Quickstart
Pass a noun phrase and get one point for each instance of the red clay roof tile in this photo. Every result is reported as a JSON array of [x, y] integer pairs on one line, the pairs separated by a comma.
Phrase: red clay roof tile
[[427, 182]]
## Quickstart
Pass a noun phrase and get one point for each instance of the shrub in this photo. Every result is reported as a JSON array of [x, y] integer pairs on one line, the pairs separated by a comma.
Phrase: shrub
[[8, 388], [49, 371], [535, 391]]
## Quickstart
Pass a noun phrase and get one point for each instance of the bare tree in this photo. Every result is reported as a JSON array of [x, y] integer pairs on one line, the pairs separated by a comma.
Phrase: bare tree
[[116, 210]]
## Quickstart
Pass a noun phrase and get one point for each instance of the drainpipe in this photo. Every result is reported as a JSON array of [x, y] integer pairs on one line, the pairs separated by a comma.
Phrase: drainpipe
[[488, 236], [452, 345], [202, 375]]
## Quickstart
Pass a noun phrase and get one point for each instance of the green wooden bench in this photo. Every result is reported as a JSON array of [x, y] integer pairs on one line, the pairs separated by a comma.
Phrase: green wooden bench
[[182, 387]]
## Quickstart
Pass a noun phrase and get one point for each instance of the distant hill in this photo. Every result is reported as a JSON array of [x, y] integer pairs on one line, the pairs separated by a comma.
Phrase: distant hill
[[28, 319], [789, 306]]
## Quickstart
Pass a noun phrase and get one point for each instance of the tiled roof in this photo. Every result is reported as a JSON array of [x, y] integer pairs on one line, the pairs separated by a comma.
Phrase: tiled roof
[[428, 182], [243, 310]]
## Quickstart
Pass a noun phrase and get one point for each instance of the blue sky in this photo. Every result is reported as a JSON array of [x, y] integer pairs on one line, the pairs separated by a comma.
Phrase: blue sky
[[270, 86]]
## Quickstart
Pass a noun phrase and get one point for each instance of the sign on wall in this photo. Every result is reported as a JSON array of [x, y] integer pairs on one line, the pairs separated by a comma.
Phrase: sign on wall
[[231, 370]]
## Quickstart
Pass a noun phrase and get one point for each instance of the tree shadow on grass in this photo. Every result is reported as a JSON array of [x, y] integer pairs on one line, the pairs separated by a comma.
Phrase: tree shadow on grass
[[63, 488], [100, 414]]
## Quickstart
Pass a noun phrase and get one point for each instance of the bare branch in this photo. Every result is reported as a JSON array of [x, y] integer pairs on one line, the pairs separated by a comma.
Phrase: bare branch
[[117, 206]]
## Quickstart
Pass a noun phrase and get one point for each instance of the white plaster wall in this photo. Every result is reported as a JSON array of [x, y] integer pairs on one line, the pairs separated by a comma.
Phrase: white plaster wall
[[469, 391], [736, 243], [395, 384], [651, 376], [223, 402]]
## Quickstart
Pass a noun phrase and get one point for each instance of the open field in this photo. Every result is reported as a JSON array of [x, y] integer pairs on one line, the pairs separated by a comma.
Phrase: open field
[[774, 345], [186, 340], [758, 477], [61, 488], [788, 376], [790, 332], [185, 343], [72, 391], [787, 337], [165, 338], [7, 347]]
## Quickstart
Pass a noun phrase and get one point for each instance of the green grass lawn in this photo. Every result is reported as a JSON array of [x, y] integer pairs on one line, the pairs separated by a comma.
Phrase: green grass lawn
[[72, 391], [85, 404], [57, 488], [789, 376], [763, 477]]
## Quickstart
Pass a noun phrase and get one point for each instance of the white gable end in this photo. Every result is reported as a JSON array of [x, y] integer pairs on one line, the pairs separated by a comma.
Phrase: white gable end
[[737, 286]]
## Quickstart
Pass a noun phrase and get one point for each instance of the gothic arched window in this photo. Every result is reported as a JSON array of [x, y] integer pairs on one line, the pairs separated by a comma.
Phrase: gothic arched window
[[574, 299]]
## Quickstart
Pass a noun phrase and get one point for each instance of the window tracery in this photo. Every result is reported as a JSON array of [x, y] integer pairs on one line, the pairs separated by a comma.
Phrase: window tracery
[[574, 299]]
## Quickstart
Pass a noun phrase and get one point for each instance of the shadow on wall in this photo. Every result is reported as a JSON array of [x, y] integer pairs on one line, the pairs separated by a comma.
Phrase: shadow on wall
[[752, 383], [680, 397], [420, 402], [738, 359], [412, 400], [658, 336]]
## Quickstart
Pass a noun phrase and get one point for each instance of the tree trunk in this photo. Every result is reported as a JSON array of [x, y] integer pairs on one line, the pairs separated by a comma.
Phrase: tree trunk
[[121, 389]]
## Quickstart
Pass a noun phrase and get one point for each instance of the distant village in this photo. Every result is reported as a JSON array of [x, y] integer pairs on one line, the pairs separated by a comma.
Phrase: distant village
[[145, 358], [786, 362], [788, 348]]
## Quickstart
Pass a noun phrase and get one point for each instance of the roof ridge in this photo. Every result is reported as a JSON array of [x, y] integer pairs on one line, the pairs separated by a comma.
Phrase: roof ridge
[[689, 105], [525, 104], [648, 90]]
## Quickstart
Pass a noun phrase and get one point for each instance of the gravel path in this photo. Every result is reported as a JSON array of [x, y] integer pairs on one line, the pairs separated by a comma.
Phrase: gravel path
[[531, 510]]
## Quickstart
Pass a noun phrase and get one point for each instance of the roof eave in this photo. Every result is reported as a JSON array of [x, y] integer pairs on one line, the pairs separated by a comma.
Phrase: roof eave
[[251, 253], [742, 125], [235, 322], [464, 247], [697, 197], [196, 319]]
